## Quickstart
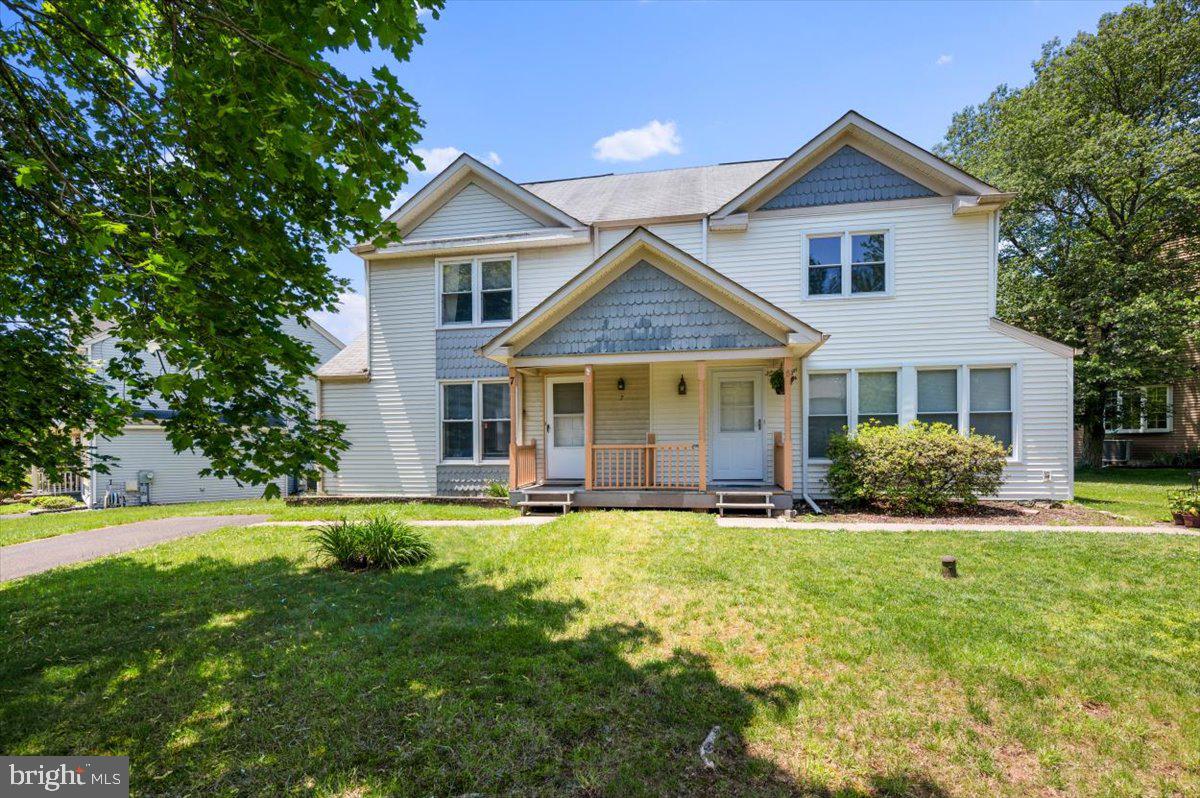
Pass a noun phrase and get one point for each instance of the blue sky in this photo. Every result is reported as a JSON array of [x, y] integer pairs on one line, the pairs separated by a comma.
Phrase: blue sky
[[551, 90]]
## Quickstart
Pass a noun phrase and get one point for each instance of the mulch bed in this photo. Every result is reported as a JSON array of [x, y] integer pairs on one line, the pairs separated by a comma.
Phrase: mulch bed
[[986, 512]]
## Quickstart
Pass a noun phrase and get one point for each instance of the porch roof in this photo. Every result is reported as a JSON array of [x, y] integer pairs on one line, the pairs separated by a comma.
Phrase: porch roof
[[646, 299]]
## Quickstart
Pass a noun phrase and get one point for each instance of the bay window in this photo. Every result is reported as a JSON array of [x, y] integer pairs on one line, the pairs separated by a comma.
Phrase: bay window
[[476, 291], [475, 421]]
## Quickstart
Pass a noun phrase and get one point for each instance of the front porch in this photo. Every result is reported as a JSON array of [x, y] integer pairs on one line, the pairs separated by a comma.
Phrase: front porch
[[668, 435]]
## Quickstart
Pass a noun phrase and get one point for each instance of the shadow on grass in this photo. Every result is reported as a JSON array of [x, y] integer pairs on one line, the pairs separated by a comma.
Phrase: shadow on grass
[[273, 678]]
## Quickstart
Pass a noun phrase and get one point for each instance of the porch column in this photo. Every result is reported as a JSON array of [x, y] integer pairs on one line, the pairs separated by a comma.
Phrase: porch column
[[513, 416], [589, 405], [789, 364], [702, 401]]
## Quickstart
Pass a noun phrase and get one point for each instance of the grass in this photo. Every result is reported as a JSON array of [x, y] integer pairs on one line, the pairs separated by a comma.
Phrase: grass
[[15, 508], [1139, 493], [591, 656], [19, 530]]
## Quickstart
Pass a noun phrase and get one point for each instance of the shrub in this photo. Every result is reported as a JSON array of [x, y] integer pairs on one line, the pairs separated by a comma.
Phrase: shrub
[[375, 543], [1185, 501], [53, 502], [916, 469], [497, 489]]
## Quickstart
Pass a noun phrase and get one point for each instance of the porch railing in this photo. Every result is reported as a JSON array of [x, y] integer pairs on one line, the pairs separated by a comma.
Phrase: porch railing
[[644, 466], [40, 485], [526, 464]]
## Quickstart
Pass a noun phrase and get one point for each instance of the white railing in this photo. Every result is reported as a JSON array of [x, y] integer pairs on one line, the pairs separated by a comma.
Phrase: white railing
[[39, 485]]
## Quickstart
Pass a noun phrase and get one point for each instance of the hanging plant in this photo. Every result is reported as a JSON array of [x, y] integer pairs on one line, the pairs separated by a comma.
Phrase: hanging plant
[[777, 381]]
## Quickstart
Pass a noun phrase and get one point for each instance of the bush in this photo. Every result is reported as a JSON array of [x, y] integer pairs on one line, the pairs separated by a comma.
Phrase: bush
[[53, 502], [376, 543], [498, 489], [917, 469]]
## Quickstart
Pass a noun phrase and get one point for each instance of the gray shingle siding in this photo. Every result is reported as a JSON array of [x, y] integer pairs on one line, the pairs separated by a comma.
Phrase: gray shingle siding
[[847, 176], [468, 480], [456, 358], [647, 310]]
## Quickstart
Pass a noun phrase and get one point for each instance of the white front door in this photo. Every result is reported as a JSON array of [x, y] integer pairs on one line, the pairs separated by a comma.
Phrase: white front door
[[737, 437], [564, 428]]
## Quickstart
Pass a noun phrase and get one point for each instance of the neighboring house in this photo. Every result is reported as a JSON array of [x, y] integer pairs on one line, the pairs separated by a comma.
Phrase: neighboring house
[[1159, 424], [614, 337], [144, 446]]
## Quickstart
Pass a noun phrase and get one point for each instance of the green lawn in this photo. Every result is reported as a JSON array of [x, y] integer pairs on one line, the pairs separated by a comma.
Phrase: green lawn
[[1139, 493], [591, 656], [14, 508], [19, 530]]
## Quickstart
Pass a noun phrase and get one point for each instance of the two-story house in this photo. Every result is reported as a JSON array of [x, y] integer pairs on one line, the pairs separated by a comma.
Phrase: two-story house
[[142, 454], [667, 338]]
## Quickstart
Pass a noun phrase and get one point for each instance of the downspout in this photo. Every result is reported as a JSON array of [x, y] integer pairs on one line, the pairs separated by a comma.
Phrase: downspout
[[704, 239]]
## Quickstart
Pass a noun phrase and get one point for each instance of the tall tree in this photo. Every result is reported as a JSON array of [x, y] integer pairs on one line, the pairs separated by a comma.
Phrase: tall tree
[[177, 169], [1103, 150]]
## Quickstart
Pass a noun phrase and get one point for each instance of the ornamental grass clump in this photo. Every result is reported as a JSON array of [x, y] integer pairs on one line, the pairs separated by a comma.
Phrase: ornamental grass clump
[[378, 543], [917, 469]]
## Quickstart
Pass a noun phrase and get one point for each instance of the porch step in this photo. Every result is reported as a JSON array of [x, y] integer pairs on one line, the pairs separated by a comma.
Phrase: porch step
[[744, 500], [545, 499]]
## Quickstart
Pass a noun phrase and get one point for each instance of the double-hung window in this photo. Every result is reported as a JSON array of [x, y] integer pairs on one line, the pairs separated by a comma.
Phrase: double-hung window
[[991, 403], [878, 397], [846, 264], [827, 413], [476, 291], [937, 396], [1146, 409], [476, 423]]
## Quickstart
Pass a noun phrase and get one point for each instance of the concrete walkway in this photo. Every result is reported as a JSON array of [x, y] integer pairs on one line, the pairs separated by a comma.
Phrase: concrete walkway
[[23, 559], [910, 526], [525, 520]]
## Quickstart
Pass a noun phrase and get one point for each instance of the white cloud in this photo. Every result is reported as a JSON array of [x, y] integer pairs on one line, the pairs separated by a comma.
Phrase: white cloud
[[638, 144], [944, 59], [423, 12], [436, 158], [493, 158], [349, 321]]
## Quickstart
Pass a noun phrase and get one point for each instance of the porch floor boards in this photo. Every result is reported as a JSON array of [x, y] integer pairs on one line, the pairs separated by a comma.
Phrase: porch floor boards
[[552, 494]]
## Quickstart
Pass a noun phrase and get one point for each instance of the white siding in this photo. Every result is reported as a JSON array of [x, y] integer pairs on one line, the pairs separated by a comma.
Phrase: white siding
[[540, 272], [176, 475], [688, 236], [473, 211], [392, 420], [938, 314]]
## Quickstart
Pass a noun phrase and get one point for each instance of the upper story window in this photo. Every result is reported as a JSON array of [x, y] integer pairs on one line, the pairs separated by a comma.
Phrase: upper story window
[[1146, 409], [476, 290], [846, 263]]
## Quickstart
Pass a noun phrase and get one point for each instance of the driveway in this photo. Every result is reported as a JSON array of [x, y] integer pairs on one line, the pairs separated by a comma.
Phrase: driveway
[[36, 556]]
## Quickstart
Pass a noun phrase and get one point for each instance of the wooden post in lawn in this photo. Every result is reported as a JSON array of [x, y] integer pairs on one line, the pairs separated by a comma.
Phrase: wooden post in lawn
[[513, 403], [702, 413], [589, 405], [788, 364]]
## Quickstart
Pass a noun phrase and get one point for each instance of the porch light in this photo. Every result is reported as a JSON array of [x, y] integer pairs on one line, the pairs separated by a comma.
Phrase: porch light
[[682, 386], [621, 385]]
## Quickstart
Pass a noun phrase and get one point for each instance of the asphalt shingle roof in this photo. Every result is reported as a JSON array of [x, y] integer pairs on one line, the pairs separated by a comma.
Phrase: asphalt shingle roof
[[643, 195], [350, 362]]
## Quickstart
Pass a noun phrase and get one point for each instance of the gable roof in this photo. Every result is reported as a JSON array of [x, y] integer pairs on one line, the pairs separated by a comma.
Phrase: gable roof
[[666, 193], [456, 176], [875, 141], [639, 245]]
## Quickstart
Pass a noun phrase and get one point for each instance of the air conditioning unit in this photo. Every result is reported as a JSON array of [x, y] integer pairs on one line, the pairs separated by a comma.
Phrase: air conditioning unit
[[1116, 452]]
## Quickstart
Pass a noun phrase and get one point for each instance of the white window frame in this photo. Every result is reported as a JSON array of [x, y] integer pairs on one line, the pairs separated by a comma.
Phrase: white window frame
[[846, 252], [906, 396], [476, 262], [1144, 428], [476, 457], [851, 406], [960, 394]]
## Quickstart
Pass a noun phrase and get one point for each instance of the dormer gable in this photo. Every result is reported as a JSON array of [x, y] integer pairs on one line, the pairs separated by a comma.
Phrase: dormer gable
[[469, 198], [855, 160]]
